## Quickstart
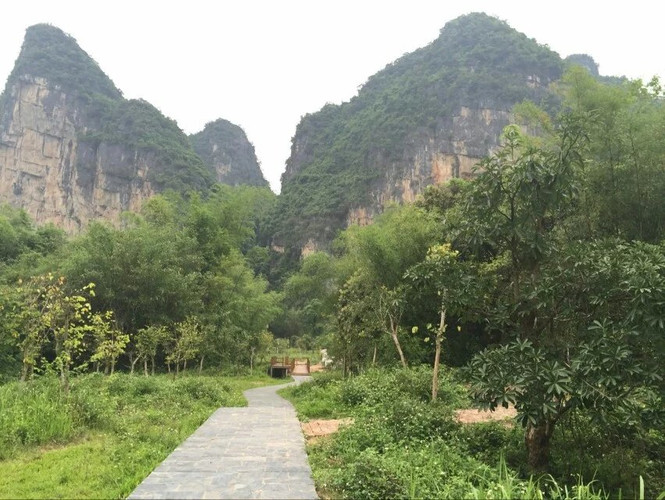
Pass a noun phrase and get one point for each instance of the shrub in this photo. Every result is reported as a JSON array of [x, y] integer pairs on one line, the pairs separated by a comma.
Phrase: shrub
[[203, 388], [33, 413]]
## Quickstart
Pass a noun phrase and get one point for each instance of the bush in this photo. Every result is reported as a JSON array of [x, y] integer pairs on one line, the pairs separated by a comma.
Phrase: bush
[[202, 388], [33, 413], [370, 477], [89, 402], [489, 442]]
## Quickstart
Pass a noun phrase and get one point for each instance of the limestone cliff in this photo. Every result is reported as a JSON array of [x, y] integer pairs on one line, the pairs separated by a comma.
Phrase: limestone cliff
[[451, 151], [427, 117], [72, 149], [47, 170], [224, 147]]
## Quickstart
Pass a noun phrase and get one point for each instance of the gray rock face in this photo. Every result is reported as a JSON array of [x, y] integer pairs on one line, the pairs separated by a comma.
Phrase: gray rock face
[[47, 170], [433, 157], [225, 149]]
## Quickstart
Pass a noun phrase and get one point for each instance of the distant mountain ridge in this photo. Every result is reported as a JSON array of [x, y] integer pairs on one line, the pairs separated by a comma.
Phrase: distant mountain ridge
[[72, 149], [427, 117], [225, 147]]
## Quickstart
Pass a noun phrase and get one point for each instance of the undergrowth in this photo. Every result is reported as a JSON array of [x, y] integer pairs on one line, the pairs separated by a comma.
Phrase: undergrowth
[[105, 436], [401, 445]]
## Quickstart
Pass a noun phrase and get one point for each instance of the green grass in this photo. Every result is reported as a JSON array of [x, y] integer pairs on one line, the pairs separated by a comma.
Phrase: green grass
[[107, 435]]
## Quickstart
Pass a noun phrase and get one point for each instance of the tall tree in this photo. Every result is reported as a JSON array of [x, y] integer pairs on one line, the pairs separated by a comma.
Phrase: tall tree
[[453, 283], [382, 252]]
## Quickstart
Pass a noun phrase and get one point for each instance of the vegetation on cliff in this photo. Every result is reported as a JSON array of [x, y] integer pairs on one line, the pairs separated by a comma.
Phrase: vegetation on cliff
[[339, 152], [225, 149], [138, 126], [101, 115], [50, 53]]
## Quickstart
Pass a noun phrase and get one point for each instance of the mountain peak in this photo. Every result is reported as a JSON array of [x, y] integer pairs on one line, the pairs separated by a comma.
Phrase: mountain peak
[[224, 147], [50, 53]]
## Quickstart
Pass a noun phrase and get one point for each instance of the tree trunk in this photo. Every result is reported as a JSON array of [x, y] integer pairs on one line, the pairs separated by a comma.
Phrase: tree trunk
[[145, 366], [26, 371], [201, 365], [133, 363], [133, 360], [393, 333], [374, 356], [113, 366], [437, 354], [537, 440], [152, 365], [64, 365]]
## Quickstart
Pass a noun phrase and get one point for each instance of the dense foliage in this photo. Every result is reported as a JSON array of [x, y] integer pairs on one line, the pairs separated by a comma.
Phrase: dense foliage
[[49, 53], [186, 265], [397, 445], [137, 125], [545, 271]]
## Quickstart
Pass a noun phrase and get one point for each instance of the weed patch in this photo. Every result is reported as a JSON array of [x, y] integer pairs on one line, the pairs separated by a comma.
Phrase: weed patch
[[107, 435]]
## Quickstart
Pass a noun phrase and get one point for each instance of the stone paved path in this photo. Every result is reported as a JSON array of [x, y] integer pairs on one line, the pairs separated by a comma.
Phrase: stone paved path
[[252, 452]]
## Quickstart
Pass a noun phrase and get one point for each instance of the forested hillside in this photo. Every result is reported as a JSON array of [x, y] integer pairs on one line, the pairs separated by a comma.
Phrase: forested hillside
[[426, 117]]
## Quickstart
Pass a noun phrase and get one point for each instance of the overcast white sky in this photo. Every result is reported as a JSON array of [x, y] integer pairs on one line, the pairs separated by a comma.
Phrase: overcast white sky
[[263, 64]]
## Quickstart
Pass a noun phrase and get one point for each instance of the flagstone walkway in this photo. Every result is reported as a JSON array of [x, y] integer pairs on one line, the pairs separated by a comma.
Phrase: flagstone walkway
[[252, 452]]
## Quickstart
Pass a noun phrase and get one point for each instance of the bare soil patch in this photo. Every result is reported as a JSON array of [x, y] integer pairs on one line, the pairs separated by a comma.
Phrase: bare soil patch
[[471, 416], [318, 428]]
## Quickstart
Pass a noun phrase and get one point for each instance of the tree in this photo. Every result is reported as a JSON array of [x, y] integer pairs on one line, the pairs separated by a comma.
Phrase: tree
[[309, 297], [186, 344], [238, 308], [520, 196], [110, 343], [454, 284], [381, 253], [145, 275], [622, 184], [359, 328], [147, 342], [596, 341], [67, 318], [22, 309], [389, 308]]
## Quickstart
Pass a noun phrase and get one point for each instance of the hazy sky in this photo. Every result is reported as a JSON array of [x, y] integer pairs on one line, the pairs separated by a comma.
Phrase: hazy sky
[[263, 64]]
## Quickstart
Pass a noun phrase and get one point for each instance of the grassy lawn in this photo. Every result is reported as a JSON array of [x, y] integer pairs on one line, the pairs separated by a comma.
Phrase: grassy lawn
[[107, 435]]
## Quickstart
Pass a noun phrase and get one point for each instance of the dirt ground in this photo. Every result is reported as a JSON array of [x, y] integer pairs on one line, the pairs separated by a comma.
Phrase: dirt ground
[[323, 427], [317, 428], [475, 416]]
